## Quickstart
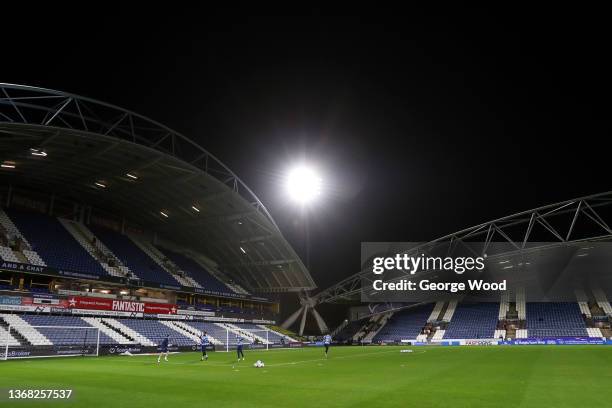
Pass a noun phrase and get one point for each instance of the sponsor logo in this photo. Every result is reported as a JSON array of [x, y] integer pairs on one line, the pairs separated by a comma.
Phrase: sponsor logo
[[481, 342], [556, 341], [189, 312], [13, 266], [74, 351], [20, 308], [19, 353], [119, 350], [91, 303], [10, 300], [224, 319], [297, 345], [127, 306]]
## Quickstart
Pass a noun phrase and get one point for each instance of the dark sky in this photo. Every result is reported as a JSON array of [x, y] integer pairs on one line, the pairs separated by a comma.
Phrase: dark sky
[[422, 123]]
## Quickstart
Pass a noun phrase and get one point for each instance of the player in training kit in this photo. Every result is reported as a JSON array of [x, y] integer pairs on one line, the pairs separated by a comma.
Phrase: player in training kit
[[326, 342], [163, 349], [204, 341], [239, 344]]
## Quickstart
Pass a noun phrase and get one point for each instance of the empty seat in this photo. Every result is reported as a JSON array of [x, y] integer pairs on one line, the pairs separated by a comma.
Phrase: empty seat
[[54, 244], [196, 271], [156, 331], [65, 335], [555, 320], [133, 257], [405, 324], [473, 321]]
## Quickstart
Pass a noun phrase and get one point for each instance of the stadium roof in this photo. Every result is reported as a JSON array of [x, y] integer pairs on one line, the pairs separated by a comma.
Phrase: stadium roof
[[116, 160], [555, 225]]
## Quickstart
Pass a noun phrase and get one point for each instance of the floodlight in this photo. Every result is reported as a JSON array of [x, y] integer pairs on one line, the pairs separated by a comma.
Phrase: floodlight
[[38, 152], [303, 185]]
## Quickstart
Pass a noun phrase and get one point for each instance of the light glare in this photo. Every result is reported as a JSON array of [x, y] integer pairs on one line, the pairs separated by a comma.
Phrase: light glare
[[38, 152], [303, 185]]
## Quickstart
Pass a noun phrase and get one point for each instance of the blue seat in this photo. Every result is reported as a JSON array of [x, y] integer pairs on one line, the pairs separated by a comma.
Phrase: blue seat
[[155, 331], [405, 324], [65, 336], [133, 257], [54, 244], [555, 320], [196, 271], [473, 321]]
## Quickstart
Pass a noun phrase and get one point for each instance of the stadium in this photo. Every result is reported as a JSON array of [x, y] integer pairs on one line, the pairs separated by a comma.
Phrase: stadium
[[138, 269], [195, 251]]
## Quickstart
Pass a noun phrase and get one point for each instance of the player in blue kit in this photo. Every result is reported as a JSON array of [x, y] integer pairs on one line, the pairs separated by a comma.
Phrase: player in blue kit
[[239, 344], [163, 349], [326, 342], [204, 342]]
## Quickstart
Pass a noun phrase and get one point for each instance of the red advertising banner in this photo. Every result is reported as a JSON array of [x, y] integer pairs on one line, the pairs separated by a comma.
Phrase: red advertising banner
[[92, 303], [78, 302], [160, 308]]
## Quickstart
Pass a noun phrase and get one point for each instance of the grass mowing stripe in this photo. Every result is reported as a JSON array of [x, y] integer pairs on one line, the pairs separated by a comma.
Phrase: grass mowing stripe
[[529, 376]]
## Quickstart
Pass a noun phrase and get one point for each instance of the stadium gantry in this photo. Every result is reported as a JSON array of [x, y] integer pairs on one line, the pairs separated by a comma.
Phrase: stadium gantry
[[573, 221], [116, 161]]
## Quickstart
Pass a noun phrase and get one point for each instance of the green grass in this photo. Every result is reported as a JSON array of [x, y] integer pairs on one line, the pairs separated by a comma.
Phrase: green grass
[[522, 376]]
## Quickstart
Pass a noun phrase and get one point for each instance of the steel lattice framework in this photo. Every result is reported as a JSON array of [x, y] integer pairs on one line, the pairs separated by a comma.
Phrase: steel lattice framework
[[46, 107], [581, 219], [92, 139]]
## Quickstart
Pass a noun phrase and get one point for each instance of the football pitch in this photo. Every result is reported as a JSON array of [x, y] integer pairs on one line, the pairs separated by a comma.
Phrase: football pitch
[[521, 376]]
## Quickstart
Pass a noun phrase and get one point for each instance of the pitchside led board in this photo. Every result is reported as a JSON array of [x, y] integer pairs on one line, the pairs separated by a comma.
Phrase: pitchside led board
[[484, 272]]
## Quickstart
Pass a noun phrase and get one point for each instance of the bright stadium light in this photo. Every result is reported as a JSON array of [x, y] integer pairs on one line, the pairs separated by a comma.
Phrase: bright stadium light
[[38, 152], [303, 184]]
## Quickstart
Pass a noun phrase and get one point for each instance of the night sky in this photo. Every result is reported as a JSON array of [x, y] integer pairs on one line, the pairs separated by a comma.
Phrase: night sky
[[422, 124]]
